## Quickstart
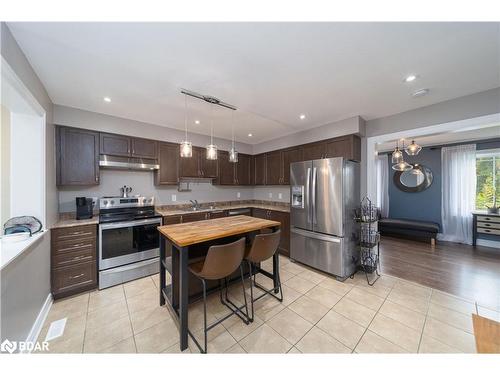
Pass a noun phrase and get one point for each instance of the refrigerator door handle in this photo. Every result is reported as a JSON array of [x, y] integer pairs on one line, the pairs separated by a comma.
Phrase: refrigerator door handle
[[308, 179], [314, 197], [318, 236]]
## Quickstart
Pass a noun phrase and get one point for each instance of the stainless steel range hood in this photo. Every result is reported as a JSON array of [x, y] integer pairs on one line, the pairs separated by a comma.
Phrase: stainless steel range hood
[[119, 162]]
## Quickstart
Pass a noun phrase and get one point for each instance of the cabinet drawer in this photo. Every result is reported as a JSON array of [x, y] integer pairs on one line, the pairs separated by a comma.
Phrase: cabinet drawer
[[74, 257], [488, 225], [489, 231], [72, 246], [73, 277], [488, 219], [74, 233]]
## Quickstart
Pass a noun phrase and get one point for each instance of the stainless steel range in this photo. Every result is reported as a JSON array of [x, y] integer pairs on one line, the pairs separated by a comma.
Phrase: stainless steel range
[[128, 239]]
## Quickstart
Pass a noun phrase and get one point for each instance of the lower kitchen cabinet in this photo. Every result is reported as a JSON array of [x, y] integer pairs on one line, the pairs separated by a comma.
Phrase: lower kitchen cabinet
[[169, 220], [196, 216], [73, 260], [284, 219]]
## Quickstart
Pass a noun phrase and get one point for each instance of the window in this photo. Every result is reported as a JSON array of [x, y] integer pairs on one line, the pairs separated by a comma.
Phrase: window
[[488, 178]]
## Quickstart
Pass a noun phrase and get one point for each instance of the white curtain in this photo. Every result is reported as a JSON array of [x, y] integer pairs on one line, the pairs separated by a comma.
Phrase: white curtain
[[383, 185], [458, 170]]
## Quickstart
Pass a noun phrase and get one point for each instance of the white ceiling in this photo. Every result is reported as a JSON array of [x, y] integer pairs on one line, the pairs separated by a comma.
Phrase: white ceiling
[[271, 71]]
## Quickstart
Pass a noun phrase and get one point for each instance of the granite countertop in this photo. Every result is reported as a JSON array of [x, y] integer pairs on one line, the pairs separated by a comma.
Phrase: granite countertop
[[68, 220], [167, 211]]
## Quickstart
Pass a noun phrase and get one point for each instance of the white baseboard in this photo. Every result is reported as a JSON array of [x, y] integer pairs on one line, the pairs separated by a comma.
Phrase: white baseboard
[[40, 320], [488, 243]]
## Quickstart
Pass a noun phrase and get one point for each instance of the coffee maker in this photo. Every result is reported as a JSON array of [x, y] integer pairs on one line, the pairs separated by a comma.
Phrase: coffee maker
[[84, 208]]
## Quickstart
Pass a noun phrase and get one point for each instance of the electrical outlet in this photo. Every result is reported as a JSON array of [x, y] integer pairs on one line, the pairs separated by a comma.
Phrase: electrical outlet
[[238, 195], [174, 198], [280, 196], [270, 195]]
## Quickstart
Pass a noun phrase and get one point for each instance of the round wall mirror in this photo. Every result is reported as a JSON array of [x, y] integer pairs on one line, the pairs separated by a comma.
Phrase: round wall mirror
[[417, 179]]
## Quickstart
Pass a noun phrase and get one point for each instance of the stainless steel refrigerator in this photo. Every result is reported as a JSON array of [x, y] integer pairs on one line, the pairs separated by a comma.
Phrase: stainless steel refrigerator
[[324, 195]]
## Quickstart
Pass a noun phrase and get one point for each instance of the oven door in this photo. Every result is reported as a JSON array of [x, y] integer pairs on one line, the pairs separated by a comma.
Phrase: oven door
[[128, 242]]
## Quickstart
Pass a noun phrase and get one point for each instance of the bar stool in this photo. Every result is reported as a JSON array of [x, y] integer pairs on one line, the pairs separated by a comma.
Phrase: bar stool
[[221, 261], [263, 247]]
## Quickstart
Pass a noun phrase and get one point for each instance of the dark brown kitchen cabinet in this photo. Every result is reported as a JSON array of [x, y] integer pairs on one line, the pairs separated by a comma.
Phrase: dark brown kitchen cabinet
[[77, 155], [197, 216], [168, 159], [284, 219], [290, 155], [313, 151], [260, 213], [226, 169], [144, 148], [274, 167], [173, 219], [73, 260], [115, 145], [260, 169], [190, 167], [208, 168], [217, 214], [348, 147], [243, 170]]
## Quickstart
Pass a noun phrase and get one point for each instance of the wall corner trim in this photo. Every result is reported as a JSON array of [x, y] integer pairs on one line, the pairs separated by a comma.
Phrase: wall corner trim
[[40, 319]]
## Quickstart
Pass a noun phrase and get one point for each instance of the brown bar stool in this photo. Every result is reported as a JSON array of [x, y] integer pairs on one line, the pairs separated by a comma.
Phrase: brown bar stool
[[221, 261], [264, 246]]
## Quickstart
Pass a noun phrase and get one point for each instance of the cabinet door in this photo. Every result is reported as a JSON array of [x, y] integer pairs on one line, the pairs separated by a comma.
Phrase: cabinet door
[[170, 220], [313, 151], [144, 148], [198, 216], [284, 219], [339, 147], [168, 159], [77, 157], [260, 169], [217, 214], [274, 168], [260, 213], [190, 167], [208, 168], [291, 155], [226, 169], [243, 170], [116, 145]]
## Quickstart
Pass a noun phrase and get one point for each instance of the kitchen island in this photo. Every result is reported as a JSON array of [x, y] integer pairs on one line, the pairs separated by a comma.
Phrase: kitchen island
[[189, 240]]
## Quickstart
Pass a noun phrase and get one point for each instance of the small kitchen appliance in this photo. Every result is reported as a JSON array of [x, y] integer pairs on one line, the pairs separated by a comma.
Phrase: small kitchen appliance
[[84, 208]]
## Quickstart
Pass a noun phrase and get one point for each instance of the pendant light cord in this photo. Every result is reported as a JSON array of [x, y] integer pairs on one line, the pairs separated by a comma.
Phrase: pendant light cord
[[185, 116], [211, 124], [232, 128]]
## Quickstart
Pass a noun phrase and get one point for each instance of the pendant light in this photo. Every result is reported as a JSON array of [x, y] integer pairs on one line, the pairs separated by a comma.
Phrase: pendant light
[[233, 154], [413, 148], [402, 166], [186, 146], [397, 154], [211, 148]]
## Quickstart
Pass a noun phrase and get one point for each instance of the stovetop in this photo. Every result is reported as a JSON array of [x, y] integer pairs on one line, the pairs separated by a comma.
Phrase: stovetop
[[113, 209], [125, 202]]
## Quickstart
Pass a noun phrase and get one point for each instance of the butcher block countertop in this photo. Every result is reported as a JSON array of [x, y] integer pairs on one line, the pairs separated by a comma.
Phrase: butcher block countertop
[[201, 231]]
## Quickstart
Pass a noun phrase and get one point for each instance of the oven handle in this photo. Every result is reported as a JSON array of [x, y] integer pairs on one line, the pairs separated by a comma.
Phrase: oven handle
[[125, 224]]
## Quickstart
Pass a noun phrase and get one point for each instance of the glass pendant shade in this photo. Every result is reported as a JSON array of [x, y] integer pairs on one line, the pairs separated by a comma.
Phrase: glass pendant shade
[[413, 149], [402, 166], [397, 156], [212, 152], [233, 155], [186, 149]]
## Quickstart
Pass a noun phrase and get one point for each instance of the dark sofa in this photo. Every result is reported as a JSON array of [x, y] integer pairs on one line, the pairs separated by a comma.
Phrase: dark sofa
[[412, 229]]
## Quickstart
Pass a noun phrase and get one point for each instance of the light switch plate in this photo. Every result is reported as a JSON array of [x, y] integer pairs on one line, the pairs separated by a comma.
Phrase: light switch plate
[[174, 198], [238, 195], [280, 196], [270, 195]]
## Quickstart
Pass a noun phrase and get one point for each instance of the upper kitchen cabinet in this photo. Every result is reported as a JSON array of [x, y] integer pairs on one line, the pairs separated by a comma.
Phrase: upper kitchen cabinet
[[290, 155], [274, 168], [259, 169], [77, 154], [168, 159], [197, 166], [226, 169], [348, 147], [144, 148], [208, 168], [313, 151], [115, 145], [239, 173], [244, 169]]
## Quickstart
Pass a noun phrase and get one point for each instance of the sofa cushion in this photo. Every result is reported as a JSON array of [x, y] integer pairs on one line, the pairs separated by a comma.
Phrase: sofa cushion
[[414, 225]]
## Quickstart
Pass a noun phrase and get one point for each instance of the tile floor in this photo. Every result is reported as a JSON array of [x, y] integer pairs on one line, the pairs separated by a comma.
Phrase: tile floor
[[318, 315]]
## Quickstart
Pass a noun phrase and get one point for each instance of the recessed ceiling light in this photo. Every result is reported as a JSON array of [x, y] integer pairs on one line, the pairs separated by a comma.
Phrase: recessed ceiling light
[[302, 116], [420, 92], [250, 134], [197, 122], [410, 78], [107, 99]]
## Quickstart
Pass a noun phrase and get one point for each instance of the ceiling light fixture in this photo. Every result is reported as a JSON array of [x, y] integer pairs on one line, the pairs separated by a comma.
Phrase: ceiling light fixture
[[397, 154], [410, 78], [398, 160], [420, 92], [302, 116], [211, 148], [250, 134], [233, 154], [107, 99], [402, 166], [197, 122], [413, 149], [186, 146]]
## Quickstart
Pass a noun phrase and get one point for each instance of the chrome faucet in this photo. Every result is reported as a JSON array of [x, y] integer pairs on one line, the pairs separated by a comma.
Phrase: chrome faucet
[[195, 204]]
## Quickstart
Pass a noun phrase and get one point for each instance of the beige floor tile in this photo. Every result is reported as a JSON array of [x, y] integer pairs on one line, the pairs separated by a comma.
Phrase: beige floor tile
[[294, 268], [409, 301], [240, 330], [294, 350], [429, 344], [139, 286], [312, 275], [284, 275], [378, 289], [373, 343], [336, 286], [452, 302], [236, 349], [265, 340], [317, 341], [354, 311], [71, 344], [403, 315], [105, 297], [451, 317], [146, 318], [323, 296], [106, 336], [106, 314], [289, 295], [284, 260], [309, 309], [342, 329], [263, 280], [449, 335], [175, 349], [290, 325], [195, 317], [386, 281], [157, 338], [267, 307], [221, 343], [396, 332], [413, 289], [143, 301], [361, 296], [299, 284], [76, 305], [125, 346], [72, 339]]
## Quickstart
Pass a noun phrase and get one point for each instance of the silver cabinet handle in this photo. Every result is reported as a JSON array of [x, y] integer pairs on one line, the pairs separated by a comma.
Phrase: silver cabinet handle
[[77, 276]]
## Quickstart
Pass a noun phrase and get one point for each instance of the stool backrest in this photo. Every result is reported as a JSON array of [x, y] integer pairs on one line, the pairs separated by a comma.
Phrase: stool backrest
[[264, 246], [222, 260]]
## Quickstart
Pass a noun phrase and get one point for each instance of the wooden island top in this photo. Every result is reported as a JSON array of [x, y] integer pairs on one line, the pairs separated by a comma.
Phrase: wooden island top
[[206, 230]]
